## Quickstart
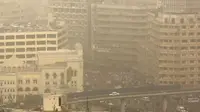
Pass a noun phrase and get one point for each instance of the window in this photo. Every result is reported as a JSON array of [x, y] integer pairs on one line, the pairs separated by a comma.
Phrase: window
[[20, 50], [20, 43], [35, 89], [30, 43], [27, 89], [46, 83], [51, 48], [54, 83], [54, 75], [69, 74], [51, 35], [192, 61], [47, 90], [47, 76], [173, 20], [20, 82], [35, 81], [30, 36], [10, 37], [20, 36], [41, 42], [181, 20], [41, 48], [192, 68], [27, 81]]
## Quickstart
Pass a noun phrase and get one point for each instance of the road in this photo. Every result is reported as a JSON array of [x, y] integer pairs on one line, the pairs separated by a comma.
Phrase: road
[[127, 95]]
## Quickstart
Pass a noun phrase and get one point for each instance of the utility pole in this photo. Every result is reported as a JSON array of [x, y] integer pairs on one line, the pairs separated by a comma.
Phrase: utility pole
[[87, 105]]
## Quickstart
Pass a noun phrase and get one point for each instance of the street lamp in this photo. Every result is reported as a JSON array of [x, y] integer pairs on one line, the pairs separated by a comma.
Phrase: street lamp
[[110, 106]]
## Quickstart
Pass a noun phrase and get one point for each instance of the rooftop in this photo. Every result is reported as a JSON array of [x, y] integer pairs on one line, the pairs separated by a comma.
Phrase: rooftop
[[57, 64], [28, 27]]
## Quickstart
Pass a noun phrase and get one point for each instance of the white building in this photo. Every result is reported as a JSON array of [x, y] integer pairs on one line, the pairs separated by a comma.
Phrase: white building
[[8, 87], [25, 40], [29, 83], [62, 68], [56, 69]]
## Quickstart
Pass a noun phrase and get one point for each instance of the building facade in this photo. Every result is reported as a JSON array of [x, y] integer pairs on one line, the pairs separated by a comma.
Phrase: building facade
[[75, 14], [50, 73], [179, 5], [177, 39], [119, 36], [8, 87], [25, 41], [62, 68], [29, 83]]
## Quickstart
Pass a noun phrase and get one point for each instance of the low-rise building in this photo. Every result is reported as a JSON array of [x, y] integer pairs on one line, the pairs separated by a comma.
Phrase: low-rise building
[[8, 85], [29, 83], [61, 68]]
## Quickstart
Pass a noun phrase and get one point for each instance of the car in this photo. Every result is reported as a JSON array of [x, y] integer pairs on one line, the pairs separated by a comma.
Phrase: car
[[146, 99], [114, 94]]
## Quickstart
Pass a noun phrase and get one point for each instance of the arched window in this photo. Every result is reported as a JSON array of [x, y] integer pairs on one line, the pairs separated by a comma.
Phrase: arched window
[[20, 89], [27, 89], [54, 75], [69, 74], [62, 78], [35, 89], [47, 75], [47, 90]]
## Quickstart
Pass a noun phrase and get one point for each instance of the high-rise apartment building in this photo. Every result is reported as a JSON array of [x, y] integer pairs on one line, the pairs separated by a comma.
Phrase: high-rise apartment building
[[178, 47], [179, 5], [119, 36], [75, 13]]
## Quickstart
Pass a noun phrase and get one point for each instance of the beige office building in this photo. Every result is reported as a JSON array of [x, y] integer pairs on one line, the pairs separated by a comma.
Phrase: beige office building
[[178, 47]]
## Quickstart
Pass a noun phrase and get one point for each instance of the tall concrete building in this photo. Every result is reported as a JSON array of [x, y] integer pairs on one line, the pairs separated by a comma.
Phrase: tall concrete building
[[75, 12], [120, 36], [177, 39], [178, 5]]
